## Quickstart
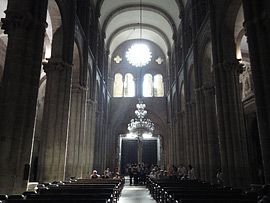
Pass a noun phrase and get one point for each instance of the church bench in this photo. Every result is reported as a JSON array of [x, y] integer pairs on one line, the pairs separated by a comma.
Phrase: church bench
[[77, 190], [119, 183], [216, 201], [59, 201], [190, 193], [71, 197], [82, 190]]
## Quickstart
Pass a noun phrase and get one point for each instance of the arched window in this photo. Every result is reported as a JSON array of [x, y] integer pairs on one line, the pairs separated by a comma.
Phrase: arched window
[[158, 86], [148, 85], [129, 86], [118, 85], [124, 88]]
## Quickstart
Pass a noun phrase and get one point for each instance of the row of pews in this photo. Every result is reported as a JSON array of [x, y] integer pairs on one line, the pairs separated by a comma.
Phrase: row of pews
[[82, 190], [194, 191]]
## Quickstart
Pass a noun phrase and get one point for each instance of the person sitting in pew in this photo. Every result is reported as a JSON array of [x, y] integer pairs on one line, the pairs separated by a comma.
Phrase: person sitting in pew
[[105, 175], [94, 175], [116, 176]]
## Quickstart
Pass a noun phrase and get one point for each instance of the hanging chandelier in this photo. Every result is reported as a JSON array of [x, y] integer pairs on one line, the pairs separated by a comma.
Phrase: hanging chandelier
[[140, 126]]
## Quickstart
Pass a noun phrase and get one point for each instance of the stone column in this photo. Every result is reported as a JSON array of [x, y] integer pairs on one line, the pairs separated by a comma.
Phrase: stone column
[[98, 142], [230, 123], [224, 158], [76, 133], [257, 24], [187, 135], [209, 96], [182, 138], [19, 90], [90, 137], [195, 138], [200, 134], [55, 121]]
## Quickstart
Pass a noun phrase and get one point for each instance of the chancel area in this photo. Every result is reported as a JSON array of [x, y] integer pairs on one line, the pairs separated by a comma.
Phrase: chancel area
[[99, 84]]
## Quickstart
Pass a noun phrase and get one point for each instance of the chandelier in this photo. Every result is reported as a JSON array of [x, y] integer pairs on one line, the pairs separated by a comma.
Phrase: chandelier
[[140, 126]]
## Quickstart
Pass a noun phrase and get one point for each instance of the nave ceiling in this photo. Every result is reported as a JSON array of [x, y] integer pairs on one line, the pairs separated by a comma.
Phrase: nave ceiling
[[120, 21]]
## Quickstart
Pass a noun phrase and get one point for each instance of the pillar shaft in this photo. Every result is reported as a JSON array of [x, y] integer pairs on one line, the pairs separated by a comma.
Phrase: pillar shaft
[[209, 96], [198, 98], [18, 94], [230, 123], [55, 120], [76, 133], [257, 23]]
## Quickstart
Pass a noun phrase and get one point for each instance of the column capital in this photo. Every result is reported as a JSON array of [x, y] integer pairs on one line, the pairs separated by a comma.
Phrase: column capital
[[55, 65], [208, 88], [229, 66], [91, 102], [15, 19], [77, 88]]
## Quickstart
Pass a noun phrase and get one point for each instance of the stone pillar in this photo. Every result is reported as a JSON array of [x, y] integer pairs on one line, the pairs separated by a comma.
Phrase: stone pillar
[[55, 120], [257, 24], [182, 138], [89, 137], [76, 133], [98, 142], [187, 135], [195, 138], [230, 123], [209, 96], [201, 171], [19, 90], [138, 86]]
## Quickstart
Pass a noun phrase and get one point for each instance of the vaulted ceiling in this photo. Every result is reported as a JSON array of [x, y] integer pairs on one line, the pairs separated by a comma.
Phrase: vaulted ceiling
[[154, 20]]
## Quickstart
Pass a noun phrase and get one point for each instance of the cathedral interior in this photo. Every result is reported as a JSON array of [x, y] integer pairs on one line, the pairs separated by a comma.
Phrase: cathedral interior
[[69, 85]]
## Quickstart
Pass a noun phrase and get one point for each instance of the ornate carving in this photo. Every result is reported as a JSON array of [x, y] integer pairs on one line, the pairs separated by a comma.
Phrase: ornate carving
[[19, 20], [229, 66], [77, 88], [55, 66], [245, 80]]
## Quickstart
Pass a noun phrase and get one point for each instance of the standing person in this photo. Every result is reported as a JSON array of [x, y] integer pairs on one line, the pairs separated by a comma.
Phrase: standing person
[[94, 175], [135, 174], [191, 173], [130, 171], [181, 171], [219, 177]]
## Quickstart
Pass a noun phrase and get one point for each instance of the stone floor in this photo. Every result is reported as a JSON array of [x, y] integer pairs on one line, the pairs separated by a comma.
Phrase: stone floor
[[135, 194]]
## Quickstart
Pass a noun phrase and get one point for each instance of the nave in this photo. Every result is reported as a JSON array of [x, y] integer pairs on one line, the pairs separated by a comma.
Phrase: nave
[[69, 89]]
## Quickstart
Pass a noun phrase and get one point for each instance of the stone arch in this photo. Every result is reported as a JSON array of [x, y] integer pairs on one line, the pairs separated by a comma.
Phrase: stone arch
[[3, 48], [3, 39], [227, 31]]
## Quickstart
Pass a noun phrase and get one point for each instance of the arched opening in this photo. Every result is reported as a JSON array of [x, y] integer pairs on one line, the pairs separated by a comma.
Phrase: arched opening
[[158, 86], [129, 86], [3, 40], [148, 85], [118, 85]]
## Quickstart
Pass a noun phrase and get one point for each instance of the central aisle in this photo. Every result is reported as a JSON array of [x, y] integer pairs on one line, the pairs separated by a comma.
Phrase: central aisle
[[135, 194]]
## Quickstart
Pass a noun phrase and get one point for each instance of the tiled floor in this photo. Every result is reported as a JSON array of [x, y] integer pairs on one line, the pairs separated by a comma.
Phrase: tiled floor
[[135, 194]]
